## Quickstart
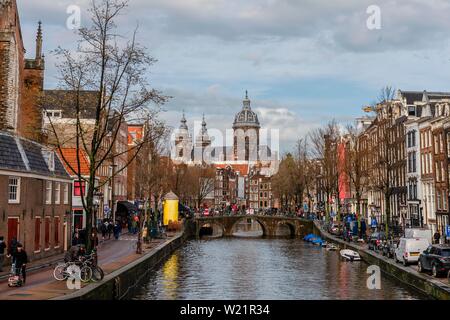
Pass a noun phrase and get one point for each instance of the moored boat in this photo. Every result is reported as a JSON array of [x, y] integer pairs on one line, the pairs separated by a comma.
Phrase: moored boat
[[350, 255]]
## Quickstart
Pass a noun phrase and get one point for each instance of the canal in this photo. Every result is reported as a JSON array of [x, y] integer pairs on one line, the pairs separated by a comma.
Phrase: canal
[[254, 268]]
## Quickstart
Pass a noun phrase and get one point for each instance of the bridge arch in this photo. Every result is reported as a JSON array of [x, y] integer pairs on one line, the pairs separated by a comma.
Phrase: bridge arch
[[210, 228], [291, 226], [263, 225]]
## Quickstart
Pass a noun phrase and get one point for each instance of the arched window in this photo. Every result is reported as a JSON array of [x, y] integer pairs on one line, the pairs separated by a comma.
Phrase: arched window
[[180, 154]]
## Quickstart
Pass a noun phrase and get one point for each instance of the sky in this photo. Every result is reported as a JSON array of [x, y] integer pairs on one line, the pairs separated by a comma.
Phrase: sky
[[303, 62]]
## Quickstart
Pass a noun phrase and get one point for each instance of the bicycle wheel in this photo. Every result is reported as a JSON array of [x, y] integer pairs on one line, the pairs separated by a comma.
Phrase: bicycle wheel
[[86, 274], [59, 273], [97, 274]]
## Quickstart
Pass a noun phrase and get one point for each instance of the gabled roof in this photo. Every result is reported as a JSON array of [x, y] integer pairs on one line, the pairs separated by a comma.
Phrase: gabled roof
[[241, 168], [65, 101], [70, 155], [22, 155]]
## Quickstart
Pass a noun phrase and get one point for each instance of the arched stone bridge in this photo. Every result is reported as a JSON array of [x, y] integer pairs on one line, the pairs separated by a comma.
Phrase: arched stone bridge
[[269, 224]]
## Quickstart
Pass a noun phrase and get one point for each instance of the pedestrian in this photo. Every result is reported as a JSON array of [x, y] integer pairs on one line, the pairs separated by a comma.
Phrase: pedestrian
[[2, 253], [437, 237], [76, 240], [104, 230], [20, 259], [110, 229], [134, 226], [117, 228], [94, 237], [12, 248]]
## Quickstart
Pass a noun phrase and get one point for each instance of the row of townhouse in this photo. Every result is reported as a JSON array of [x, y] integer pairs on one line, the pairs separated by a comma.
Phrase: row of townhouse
[[40, 203], [405, 155]]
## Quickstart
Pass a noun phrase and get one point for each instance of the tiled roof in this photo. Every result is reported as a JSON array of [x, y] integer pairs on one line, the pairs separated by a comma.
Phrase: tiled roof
[[22, 155], [70, 155], [242, 168], [64, 100]]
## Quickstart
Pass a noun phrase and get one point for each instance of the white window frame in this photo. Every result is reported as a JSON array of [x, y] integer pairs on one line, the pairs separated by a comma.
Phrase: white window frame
[[66, 193], [48, 191], [17, 199], [57, 192]]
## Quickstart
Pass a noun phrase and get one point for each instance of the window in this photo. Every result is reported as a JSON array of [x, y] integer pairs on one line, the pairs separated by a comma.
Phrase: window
[[14, 190], [47, 233], [78, 188], [49, 157], [57, 225], [57, 192], [66, 193], [48, 192], [37, 234]]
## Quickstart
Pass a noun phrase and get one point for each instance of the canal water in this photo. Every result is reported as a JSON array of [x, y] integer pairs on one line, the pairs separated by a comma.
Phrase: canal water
[[254, 268]]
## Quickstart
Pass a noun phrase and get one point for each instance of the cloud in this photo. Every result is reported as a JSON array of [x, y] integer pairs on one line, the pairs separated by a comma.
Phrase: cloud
[[303, 62]]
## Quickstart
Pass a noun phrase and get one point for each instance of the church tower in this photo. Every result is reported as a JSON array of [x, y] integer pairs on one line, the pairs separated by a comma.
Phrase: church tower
[[11, 65], [31, 113], [21, 80], [202, 143], [246, 133], [183, 143]]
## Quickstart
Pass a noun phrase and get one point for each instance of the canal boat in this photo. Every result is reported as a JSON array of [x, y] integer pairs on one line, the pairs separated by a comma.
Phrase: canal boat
[[350, 255], [332, 247]]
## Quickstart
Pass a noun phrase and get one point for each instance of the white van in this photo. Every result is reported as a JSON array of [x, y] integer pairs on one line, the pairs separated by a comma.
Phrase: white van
[[409, 250], [419, 233]]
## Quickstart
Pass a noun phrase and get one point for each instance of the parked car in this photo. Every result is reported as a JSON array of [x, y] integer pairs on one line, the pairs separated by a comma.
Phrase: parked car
[[436, 258], [409, 250], [375, 240]]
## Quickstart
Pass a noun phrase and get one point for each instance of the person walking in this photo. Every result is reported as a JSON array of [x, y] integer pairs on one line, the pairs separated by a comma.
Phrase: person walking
[[2, 253], [437, 237], [104, 229], [110, 229], [94, 237], [117, 229], [20, 259]]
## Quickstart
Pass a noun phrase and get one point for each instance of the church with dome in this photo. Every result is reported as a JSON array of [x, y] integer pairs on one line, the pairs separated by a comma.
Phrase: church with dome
[[245, 150]]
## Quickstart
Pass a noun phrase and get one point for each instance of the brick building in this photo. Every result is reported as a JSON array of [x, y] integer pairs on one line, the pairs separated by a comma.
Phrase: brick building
[[36, 204], [21, 80]]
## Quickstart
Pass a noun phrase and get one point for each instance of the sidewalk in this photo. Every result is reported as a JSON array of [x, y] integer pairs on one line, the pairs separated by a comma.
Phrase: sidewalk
[[44, 263], [113, 255], [364, 246]]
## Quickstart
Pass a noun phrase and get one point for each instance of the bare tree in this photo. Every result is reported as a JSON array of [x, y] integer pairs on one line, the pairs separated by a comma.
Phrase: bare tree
[[324, 149], [114, 67], [201, 179], [354, 166]]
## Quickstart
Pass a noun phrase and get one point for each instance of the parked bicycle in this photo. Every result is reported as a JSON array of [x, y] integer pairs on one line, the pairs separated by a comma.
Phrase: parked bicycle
[[87, 266]]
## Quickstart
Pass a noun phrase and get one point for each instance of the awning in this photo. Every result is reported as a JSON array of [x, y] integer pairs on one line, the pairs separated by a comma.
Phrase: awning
[[129, 207]]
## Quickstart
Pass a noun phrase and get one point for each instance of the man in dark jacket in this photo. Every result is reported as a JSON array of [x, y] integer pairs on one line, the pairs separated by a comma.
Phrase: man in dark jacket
[[21, 259]]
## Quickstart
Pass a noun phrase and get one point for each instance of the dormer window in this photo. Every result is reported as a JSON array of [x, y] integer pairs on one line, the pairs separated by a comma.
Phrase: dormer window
[[53, 114], [49, 157], [412, 111]]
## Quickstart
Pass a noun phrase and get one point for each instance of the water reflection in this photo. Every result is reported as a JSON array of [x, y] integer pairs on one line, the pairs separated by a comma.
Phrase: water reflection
[[248, 228], [170, 273], [263, 269]]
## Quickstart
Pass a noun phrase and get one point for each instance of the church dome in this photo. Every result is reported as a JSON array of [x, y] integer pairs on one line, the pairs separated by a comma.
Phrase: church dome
[[246, 117]]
